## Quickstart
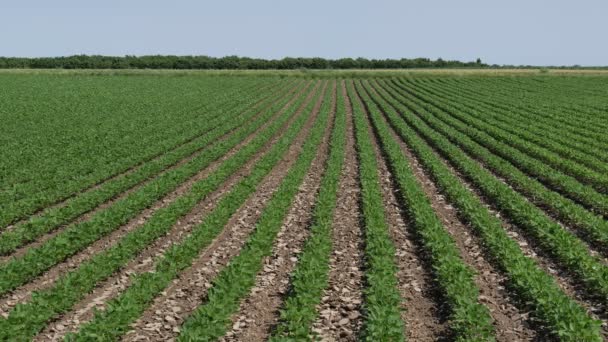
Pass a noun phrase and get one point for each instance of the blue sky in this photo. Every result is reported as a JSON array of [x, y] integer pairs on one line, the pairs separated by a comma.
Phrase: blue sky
[[537, 32]]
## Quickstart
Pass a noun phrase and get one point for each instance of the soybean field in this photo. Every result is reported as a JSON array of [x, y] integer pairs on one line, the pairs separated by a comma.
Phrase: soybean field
[[420, 207]]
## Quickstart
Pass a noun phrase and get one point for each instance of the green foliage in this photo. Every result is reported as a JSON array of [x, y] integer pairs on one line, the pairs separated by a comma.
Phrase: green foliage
[[470, 320], [310, 278], [54, 217], [28, 318], [228, 62], [210, 320], [382, 301], [568, 320]]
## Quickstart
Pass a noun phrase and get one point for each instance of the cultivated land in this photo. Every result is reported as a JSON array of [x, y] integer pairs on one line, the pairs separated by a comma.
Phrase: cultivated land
[[378, 206]]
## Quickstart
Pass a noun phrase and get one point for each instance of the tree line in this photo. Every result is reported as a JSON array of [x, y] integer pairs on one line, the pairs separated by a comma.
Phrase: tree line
[[228, 62]]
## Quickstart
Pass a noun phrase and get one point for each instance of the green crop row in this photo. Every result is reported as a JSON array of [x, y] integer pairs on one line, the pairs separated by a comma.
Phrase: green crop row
[[45, 189], [310, 277], [515, 125], [490, 132], [75, 237], [57, 216], [210, 320], [470, 320], [555, 240], [543, 109], [27, 319], [566, 318], [382, 301], [560, 182], [594, 226], [544, 127], [123, 310]]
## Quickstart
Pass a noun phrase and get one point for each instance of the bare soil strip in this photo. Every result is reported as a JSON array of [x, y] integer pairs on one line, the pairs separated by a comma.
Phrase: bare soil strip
[[423, 315], [259, 312], [129, 170], [84, 217], [162, 320], [8, 301], [340, 307]]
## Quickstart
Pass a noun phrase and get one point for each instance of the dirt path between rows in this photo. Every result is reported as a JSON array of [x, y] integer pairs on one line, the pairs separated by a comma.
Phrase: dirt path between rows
[[23, 293], [161, 321], [259, 311]]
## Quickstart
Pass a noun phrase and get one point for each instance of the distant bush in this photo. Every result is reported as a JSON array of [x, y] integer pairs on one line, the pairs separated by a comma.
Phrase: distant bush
[[228, 62]]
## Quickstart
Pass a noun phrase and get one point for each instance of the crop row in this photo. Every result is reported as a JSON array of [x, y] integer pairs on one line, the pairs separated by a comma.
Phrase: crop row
[[546, 127], [310, 277], [567, 319], [382, 301], [570, 212], [46, 189], [211, 319], [558, 181], [75, 237], [518, 126], [583, 174], [580, 129], [28, 318], [469, 319], [61, 215], [553, 238]]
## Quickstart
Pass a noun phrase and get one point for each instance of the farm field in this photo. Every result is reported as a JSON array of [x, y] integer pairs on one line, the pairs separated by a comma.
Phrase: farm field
[[192, 207]]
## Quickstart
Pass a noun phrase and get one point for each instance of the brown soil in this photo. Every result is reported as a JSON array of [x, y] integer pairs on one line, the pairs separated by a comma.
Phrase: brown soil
[[340, 307], [7, 302], [259, 312], [163, 318]]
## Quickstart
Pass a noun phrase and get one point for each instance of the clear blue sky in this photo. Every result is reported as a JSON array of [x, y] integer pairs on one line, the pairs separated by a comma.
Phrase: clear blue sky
[[538, 32]]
